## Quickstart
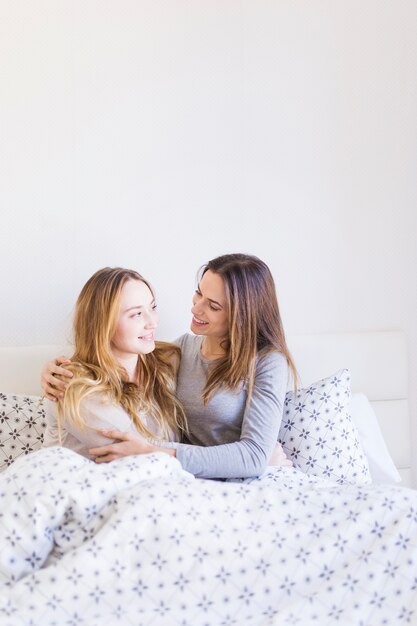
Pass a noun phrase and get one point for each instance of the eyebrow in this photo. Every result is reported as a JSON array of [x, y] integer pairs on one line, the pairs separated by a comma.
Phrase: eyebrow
[[210, 299], [140, 306]]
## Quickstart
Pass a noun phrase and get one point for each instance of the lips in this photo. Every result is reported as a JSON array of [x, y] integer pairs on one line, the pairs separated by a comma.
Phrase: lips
[[199, 322], [147, 337]]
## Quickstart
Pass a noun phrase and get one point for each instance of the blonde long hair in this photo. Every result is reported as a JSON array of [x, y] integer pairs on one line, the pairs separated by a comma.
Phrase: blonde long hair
[[96, 370], [255, 325]]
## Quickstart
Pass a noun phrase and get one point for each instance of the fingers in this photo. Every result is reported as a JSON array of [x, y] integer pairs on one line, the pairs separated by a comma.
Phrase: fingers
[[123, 444], [106, 459], [62, 360], [61, 371], [53, 387], [54, 383], [117, 434], [51, 391], [113, 448], [49, 396], [100, 451]]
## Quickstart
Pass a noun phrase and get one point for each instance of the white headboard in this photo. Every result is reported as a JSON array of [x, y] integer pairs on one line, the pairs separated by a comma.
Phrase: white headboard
[[377, 361], [378, 366]]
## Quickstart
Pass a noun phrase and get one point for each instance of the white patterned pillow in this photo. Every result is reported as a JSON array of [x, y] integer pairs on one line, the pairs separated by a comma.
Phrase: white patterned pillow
[[318, 434], [22, 426]]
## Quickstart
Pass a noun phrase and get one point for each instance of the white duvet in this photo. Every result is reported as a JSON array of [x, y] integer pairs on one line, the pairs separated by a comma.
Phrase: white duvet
[[141, 542]]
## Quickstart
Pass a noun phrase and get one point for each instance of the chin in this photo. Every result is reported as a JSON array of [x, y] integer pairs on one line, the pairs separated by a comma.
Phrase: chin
[[197, 330], [148, 349]]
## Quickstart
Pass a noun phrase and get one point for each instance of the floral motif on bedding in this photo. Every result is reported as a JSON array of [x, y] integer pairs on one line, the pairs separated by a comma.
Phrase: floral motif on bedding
[[142, 542], [318, 434], [22, 425]]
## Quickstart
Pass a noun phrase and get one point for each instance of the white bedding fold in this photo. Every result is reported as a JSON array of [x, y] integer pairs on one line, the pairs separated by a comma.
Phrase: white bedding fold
[[142, 542]]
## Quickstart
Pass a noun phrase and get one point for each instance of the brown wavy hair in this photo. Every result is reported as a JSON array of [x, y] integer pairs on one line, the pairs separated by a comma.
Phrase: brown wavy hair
[[255, 325], [96, 370]]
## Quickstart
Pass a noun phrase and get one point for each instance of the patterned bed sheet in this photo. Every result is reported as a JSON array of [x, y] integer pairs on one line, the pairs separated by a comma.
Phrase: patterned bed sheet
[[141, 542]]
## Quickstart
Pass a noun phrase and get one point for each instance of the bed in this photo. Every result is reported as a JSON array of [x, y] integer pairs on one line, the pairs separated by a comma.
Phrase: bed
[[141, 542]]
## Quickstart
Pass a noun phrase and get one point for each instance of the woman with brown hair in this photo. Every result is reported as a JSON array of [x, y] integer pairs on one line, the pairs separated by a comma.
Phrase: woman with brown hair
[[232, 377]]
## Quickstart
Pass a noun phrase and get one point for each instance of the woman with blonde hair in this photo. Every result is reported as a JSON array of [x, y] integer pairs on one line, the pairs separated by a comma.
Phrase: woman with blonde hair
[[232, 376], [121, 378]]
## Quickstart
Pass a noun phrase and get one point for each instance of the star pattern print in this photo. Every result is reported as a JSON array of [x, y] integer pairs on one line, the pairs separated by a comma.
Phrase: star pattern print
[[22, 426], [139, 541], [318, 434]]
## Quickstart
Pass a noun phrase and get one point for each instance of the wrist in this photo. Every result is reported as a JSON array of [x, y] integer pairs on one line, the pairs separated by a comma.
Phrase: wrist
[[169, 451]]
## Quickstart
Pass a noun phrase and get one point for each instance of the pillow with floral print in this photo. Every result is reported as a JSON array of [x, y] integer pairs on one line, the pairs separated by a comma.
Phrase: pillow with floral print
[[22, 425], [318, 434]]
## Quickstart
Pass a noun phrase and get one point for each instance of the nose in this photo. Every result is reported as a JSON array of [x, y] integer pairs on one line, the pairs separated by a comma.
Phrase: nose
[[152, 320], [197, 308]]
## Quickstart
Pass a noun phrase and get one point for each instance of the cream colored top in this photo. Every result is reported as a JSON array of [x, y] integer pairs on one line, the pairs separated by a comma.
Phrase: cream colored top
[[99, 414]]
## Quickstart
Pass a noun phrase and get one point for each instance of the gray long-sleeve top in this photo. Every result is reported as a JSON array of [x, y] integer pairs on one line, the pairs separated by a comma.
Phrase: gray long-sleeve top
[[230, 438]]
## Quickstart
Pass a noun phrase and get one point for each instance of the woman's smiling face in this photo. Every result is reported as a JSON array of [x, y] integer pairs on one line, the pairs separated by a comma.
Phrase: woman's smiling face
[[209, 308], [137, 320]]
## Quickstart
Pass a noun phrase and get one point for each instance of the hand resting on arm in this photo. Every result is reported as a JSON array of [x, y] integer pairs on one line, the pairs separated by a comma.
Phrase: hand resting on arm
[[126, 443], [133, 443]]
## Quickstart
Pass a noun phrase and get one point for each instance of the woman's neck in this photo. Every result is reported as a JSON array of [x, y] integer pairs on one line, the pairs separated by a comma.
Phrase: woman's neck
[[211, 348], [130, 364]]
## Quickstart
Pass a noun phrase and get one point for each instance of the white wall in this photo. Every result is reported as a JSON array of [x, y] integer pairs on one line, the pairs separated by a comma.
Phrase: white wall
[[158, 134]]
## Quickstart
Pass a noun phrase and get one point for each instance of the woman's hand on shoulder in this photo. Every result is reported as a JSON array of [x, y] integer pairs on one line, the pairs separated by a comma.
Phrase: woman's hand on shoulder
[[54, 388]]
